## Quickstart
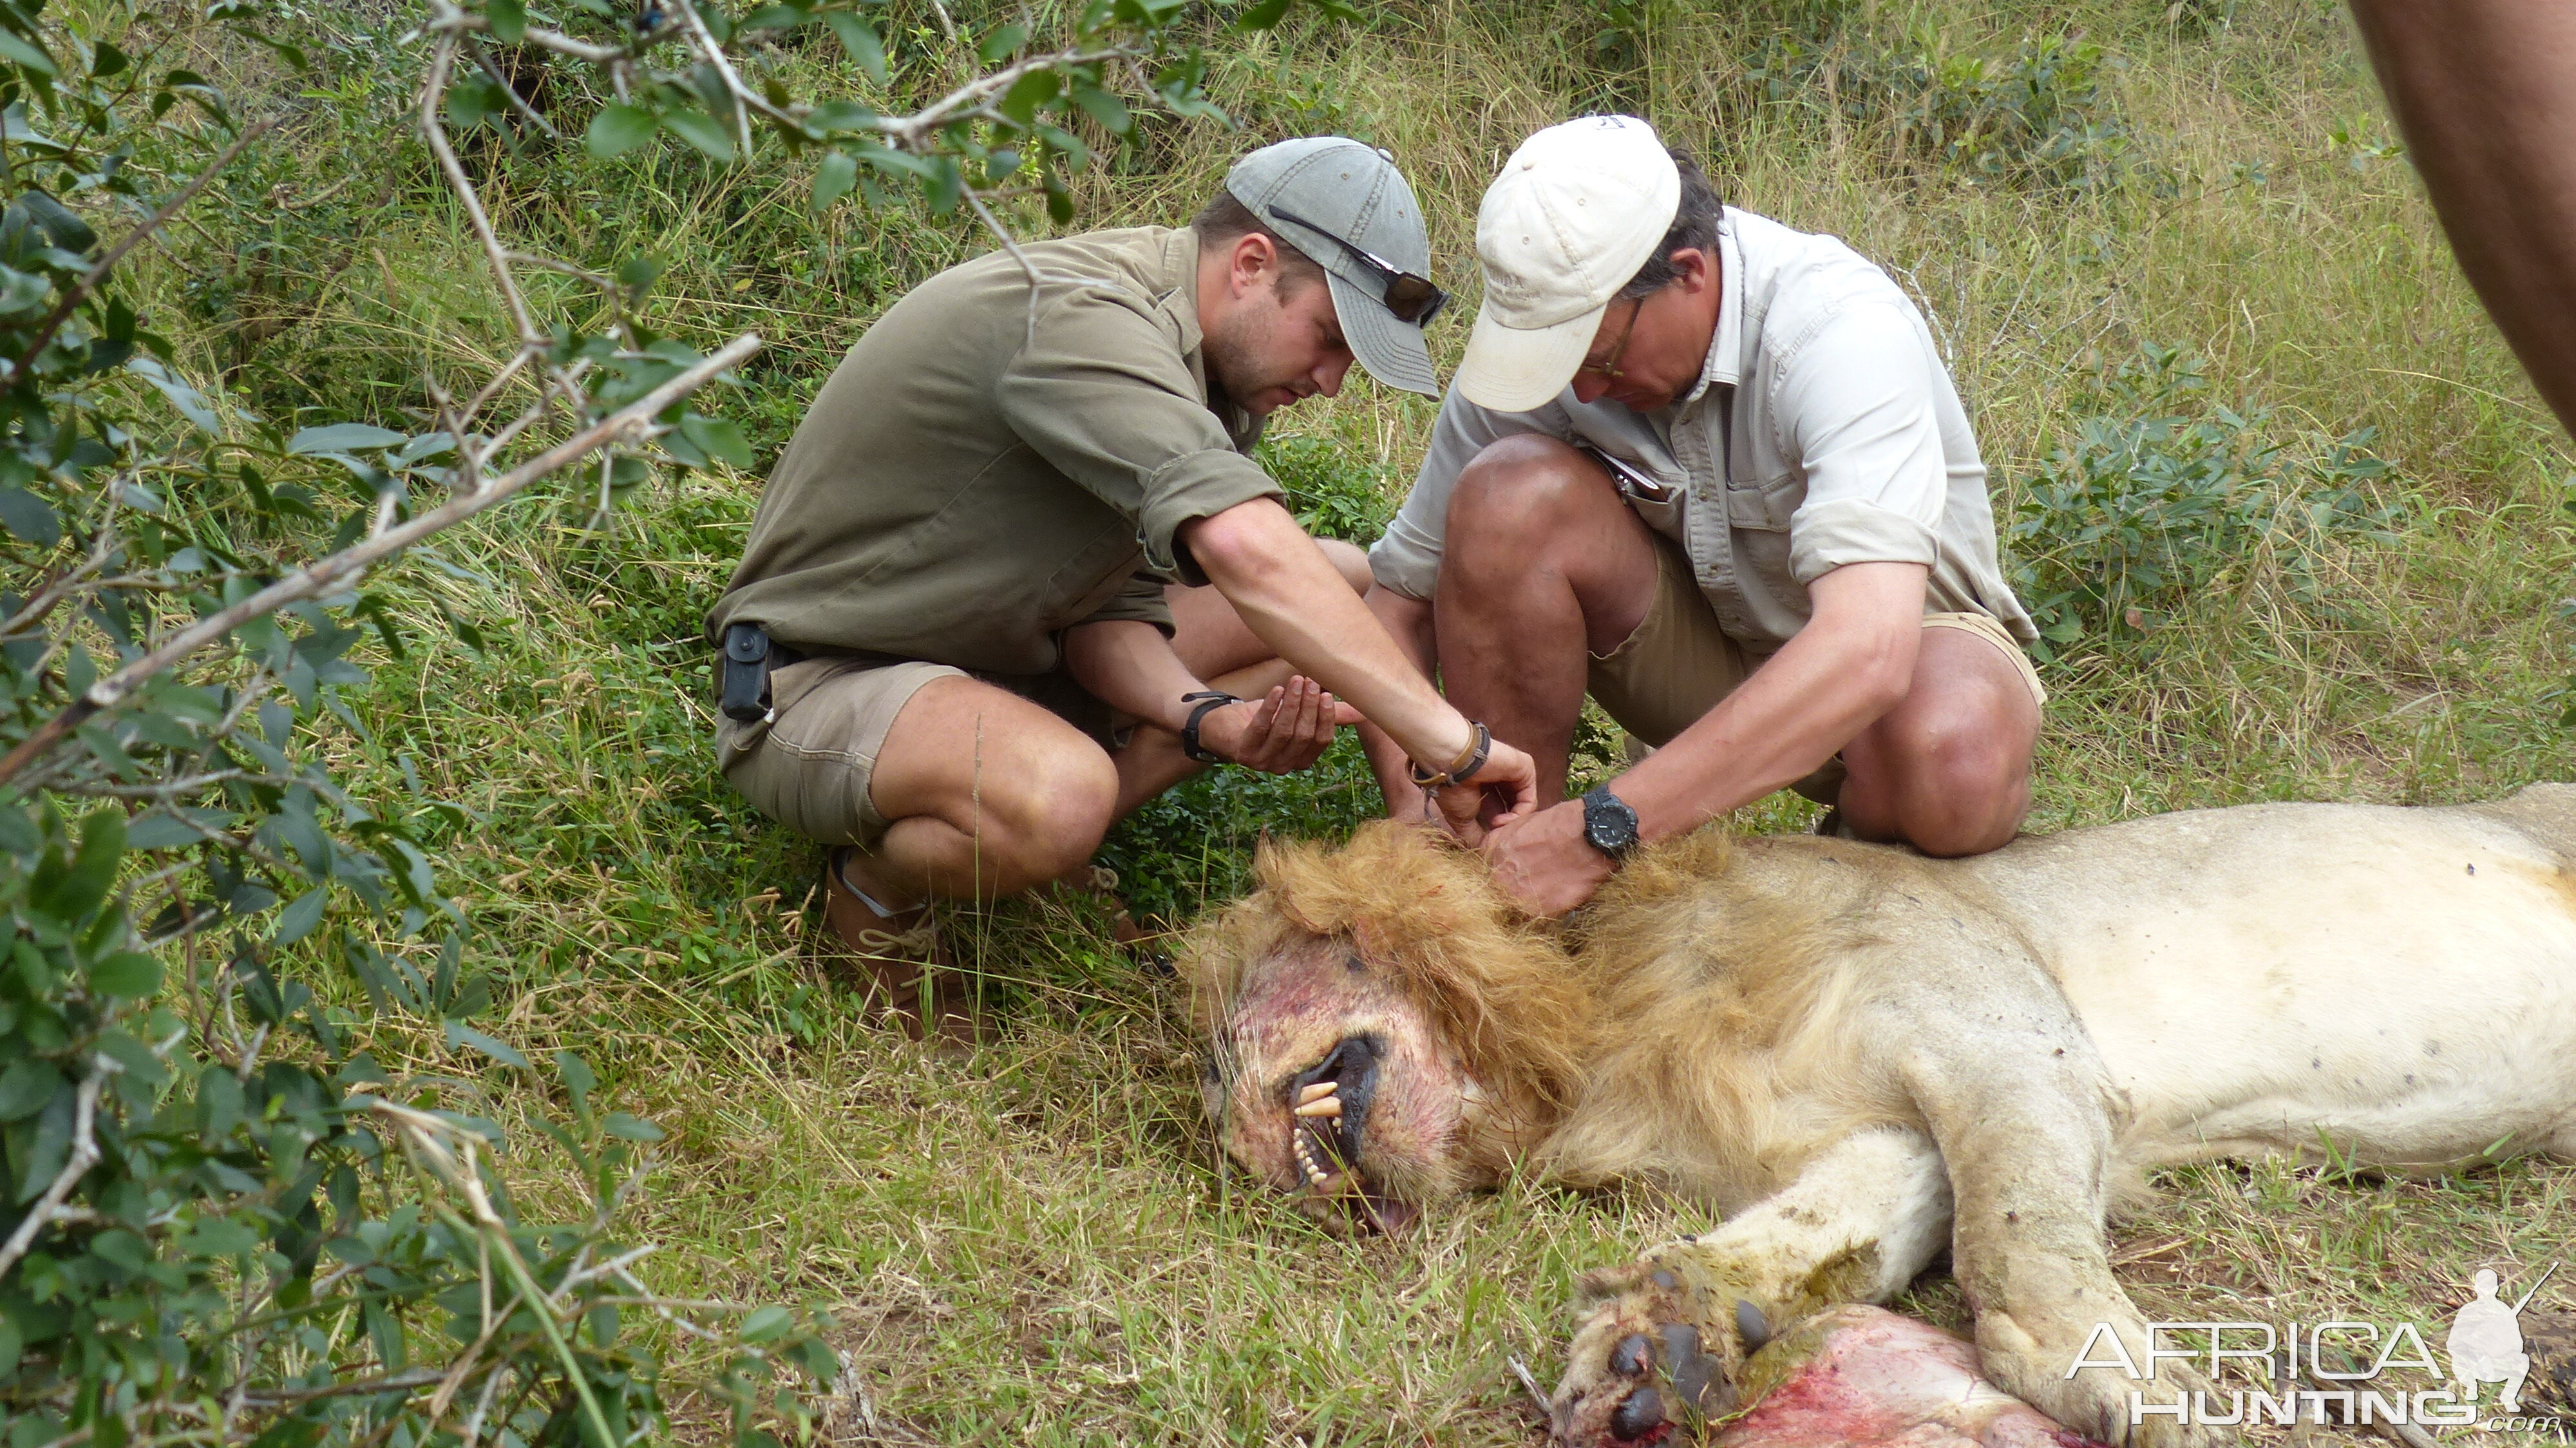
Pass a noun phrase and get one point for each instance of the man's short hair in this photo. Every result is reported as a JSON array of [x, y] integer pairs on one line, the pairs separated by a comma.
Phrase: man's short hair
[[1225, 219], [1695, 224]]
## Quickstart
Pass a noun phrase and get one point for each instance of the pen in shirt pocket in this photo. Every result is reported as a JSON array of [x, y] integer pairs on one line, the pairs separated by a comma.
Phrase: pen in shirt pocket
[[1630, 479]]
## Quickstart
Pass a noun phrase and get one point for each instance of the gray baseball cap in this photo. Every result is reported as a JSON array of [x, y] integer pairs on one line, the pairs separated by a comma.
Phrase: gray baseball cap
[[1344, 195]]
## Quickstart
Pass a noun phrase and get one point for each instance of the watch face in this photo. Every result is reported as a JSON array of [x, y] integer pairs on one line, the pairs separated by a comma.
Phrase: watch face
[[1609, 825]]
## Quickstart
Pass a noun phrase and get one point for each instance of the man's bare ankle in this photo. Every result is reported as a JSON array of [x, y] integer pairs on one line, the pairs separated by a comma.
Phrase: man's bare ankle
[[850, 864]]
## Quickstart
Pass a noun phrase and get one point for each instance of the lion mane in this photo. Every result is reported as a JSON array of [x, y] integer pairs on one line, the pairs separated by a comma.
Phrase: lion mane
[[1722, 986]]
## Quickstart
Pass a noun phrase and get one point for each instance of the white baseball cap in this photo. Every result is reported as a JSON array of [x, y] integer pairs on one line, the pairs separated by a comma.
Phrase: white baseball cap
[[1576, 211]]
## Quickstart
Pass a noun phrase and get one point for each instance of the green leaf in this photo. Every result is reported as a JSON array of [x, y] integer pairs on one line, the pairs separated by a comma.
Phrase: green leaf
[[716, 438], [62, 226], [509, 20], [299, 917], [1104, 107], [92, 872], [1262, 16], [617, 130], [632, 1128], [14, 48], [30, 517], [998, 46], [26, 1086], [343, 437], [767, 1324], [833, 179], [463, 1035], [579, 1081], [859, 38], [702, 131], [127, 974], [1028, 93], [190, 402]]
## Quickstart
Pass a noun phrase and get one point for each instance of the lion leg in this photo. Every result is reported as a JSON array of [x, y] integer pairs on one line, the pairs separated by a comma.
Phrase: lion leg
[[2021, 1109], [1668, 1334]]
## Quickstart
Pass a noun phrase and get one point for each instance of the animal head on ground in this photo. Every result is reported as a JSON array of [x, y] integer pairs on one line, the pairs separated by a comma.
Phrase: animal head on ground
[[1382, 1029]]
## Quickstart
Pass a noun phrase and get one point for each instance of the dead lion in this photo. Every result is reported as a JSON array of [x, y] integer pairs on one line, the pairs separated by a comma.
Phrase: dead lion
[[1861, 1056]]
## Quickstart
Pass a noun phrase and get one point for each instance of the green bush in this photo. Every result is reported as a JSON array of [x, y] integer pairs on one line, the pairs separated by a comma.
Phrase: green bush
[[2164, 494], [2034, 116], [227, 1221]]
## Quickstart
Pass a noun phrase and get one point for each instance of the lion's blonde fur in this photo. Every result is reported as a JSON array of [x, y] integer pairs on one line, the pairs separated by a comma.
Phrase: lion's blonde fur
[[1724, 975], [1498, 987]]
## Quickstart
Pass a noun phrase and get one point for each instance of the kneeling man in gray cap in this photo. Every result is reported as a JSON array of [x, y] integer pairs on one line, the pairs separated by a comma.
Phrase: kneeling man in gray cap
[[1712, 470], [1015, 566]]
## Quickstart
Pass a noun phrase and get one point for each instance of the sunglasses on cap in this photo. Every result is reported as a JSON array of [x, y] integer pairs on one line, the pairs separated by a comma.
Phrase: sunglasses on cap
[[1411, 298]]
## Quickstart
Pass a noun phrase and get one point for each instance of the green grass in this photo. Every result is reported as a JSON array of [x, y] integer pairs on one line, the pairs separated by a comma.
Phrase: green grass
[[1035, 1244]]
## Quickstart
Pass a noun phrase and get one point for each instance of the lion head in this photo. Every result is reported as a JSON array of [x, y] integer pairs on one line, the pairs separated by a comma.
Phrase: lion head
[[1384, 1029]]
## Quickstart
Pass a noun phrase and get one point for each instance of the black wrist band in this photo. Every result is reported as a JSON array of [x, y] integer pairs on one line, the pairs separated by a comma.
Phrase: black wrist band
[[1206, 699]]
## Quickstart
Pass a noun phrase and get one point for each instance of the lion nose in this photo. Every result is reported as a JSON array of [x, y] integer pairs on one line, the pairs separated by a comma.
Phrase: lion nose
[[1352, 1068]]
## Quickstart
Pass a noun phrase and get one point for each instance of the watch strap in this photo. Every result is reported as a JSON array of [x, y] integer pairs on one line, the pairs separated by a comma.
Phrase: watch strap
[[1207, 700]]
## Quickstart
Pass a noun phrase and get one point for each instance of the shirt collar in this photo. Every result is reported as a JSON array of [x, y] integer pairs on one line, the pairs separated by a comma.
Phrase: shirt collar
[[1725, 360]]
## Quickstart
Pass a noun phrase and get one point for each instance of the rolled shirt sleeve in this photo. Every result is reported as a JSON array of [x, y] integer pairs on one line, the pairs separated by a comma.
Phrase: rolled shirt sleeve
[[1406, 558], [1860, 402], [1103, 392]]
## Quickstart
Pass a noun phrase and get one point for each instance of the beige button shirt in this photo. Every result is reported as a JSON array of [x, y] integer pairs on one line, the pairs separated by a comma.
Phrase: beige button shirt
[[1824, 431]]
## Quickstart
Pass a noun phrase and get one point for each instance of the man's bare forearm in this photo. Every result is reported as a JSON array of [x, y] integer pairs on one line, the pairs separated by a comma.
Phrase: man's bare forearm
[[2485, 93], [1408, 622], [1129, 665], [1292, 597], [1852, 662]]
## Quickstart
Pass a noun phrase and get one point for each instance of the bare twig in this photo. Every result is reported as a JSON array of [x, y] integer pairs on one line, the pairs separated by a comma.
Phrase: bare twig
[[84, 1155], [714, 55], [328, 575], [442, 63], [88, 283], [518, 102]]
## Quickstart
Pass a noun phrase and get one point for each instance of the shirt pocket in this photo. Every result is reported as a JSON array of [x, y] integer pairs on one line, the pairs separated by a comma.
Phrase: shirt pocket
[[1092, 573], [1764, 507]]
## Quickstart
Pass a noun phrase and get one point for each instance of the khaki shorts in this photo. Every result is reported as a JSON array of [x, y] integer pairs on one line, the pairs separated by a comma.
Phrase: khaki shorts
[[1678, 663], [808, 767]]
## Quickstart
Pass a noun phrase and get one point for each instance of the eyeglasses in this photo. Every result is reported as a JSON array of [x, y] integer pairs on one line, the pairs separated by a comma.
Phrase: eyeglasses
[[1609, 366], [1412, 298]]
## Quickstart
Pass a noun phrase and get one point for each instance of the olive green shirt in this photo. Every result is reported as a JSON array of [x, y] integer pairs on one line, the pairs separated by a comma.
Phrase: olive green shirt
[[969, 483]]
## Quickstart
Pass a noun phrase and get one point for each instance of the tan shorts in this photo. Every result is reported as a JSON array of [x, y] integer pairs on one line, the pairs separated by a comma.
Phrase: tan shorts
[[809, 767], [1678, 663]]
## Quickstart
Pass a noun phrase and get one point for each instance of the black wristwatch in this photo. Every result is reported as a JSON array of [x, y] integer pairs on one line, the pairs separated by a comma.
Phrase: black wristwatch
[[1608, 824]]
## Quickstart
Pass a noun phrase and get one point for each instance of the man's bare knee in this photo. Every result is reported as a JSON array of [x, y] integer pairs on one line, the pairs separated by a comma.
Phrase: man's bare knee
[[1525, 485], [1053, 815], [1350, 560]]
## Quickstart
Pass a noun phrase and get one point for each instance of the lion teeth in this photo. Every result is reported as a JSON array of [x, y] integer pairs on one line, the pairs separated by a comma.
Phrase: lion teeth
[[1317, 1091], [1324, 1106]]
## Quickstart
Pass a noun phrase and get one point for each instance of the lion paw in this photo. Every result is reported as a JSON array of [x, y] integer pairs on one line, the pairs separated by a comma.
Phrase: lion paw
[[2094, 1401], [1650, 1355]]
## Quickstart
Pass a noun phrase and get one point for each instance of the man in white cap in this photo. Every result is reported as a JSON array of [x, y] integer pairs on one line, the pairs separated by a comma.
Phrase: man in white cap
[[1010, 575], [1712, 470]]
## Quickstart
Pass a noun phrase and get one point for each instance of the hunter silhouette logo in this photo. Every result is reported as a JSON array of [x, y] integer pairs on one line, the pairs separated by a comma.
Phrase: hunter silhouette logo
[[2346, 1373], [2486, 1341]]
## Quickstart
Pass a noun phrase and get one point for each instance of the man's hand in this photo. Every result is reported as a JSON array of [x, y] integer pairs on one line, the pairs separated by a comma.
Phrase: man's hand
[[1468, 809], [1280, 734], [1543, 861]]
